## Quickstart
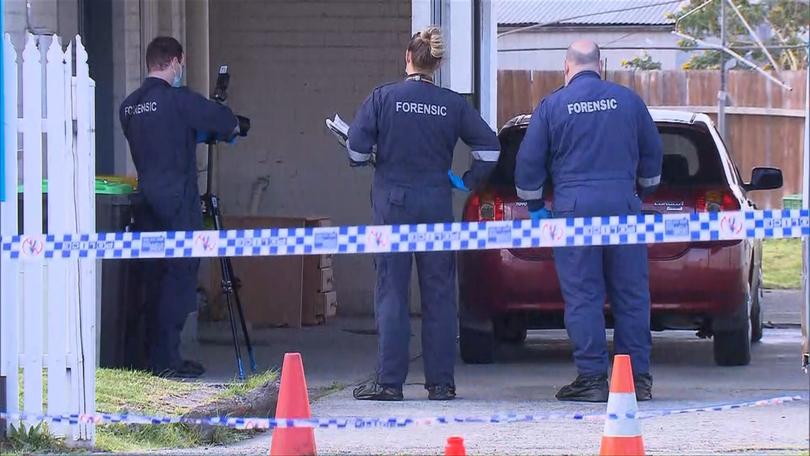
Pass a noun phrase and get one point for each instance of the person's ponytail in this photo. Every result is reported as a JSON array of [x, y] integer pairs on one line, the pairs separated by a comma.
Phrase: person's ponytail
[[427, 49]]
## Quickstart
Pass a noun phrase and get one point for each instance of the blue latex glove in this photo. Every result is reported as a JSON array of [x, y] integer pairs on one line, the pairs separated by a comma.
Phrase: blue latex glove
[[202, 137], [457, 182], [540, 214]]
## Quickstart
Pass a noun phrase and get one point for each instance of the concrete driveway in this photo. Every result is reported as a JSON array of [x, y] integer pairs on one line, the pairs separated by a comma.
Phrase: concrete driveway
[[525, 379]]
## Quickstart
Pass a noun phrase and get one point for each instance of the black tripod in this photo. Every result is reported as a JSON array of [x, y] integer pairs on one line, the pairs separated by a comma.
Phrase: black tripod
[[211, 207], [229, 288]]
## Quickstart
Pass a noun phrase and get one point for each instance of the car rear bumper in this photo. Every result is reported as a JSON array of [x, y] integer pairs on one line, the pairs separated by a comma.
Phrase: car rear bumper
[[706, 281]]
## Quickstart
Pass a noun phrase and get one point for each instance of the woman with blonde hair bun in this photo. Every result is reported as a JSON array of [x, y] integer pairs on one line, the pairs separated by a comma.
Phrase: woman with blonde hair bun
[[415, 126]]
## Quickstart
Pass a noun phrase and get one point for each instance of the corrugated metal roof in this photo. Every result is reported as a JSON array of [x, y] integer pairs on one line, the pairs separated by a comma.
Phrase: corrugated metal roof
[[530, 12]]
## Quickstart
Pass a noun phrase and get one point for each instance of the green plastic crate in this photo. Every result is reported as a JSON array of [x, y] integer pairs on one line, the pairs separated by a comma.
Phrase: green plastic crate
[[792, 201]]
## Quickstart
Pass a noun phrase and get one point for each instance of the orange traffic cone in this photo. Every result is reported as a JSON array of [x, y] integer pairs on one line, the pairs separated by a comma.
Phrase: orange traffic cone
[[455, 447], [293, 402], [622, 436]]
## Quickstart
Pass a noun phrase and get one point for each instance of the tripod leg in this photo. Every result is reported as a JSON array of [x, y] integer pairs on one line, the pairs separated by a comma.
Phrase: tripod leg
[[212, 204], [228, 290], [248, 345]]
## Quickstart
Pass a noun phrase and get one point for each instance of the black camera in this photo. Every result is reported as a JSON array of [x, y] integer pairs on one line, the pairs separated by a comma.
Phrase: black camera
[[244, 125], [221, 95]]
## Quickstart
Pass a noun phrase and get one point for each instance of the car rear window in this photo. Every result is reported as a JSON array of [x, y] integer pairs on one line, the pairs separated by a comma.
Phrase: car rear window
[[690, 156], [504, 174]]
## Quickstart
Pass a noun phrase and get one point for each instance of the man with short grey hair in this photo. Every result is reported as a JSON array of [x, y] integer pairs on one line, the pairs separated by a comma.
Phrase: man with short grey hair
[[598, 146]]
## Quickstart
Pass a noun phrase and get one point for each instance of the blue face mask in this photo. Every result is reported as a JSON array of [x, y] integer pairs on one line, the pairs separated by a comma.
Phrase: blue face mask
[[178, 77]]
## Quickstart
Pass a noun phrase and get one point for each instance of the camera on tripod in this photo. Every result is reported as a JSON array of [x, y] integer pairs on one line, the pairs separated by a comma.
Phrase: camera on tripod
[[220, 95], [210, 206]]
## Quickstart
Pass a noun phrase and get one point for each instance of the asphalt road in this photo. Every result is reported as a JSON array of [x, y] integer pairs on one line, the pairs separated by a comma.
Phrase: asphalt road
[[525, 379]]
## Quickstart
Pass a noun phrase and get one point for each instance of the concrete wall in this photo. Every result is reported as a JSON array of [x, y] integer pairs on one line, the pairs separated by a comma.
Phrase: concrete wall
[[294, 63], [562, 38], [47, 16]]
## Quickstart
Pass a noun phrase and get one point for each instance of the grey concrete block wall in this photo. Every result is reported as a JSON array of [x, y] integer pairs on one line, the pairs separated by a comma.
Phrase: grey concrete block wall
[[294, 63]]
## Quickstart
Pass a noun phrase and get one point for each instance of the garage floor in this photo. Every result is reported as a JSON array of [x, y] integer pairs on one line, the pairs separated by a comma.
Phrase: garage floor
[[525, 380]]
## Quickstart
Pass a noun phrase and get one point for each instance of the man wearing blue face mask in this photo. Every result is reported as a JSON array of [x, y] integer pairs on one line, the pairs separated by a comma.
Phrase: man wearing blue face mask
[[162, 122]]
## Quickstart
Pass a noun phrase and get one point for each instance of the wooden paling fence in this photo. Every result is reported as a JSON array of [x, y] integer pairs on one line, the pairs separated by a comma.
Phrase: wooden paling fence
[[765, 123]]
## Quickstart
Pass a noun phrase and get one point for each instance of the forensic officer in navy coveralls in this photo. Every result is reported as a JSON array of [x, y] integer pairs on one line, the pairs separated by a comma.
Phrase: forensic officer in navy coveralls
[[415, 126], [162, 122], [595, 143]]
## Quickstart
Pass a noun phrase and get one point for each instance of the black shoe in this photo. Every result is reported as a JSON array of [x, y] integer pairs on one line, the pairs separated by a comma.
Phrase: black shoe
[[643, 385], [373, 391], [193, 366], [441, 392], [593, 388]]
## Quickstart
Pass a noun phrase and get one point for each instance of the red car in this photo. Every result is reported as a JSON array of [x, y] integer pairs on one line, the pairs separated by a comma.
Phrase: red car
[[712, 287]]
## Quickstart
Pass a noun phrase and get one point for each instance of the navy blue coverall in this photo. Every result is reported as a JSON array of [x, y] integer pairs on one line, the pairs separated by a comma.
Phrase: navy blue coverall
[[597, 145], [415, 126], [161, 124]]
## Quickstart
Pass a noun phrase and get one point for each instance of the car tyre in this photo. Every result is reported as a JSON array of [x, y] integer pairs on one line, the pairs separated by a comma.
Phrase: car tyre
[[756, 308], [477, 347], [510, 331], [732, 335]]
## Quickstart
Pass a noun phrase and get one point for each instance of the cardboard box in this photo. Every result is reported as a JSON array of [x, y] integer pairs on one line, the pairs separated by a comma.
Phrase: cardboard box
[[276, 291], [319, 307], [318, 279], [316, 282], [327, 282], [330, 303], [271, 287]]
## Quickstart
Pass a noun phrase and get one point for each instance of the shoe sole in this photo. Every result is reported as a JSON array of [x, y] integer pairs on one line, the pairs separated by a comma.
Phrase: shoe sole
[[442, 398], [378, 399]]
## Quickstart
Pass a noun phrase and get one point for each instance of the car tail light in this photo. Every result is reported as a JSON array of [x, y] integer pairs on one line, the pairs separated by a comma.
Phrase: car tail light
[[472, 208], [484, 208], [716, 201]]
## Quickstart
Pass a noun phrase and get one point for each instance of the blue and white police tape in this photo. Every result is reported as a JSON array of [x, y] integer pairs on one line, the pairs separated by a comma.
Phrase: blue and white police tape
[[386, 422], [618, 230]]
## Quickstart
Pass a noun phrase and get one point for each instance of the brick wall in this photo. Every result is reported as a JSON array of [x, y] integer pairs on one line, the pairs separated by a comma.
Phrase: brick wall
[[294, 63]]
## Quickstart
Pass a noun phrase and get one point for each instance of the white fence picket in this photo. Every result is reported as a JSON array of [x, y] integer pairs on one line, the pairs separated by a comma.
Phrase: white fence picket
[[32, 225], [58, 206], [72, 296], [85, 177], [9, 274]]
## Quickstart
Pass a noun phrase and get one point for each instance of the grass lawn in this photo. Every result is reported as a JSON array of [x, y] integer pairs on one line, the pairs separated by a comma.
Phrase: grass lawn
[[782, 263], [119, 391], [139, 392]]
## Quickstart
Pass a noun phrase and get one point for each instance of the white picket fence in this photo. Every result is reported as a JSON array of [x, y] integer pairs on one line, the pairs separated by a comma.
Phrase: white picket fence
[[48, 308]]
